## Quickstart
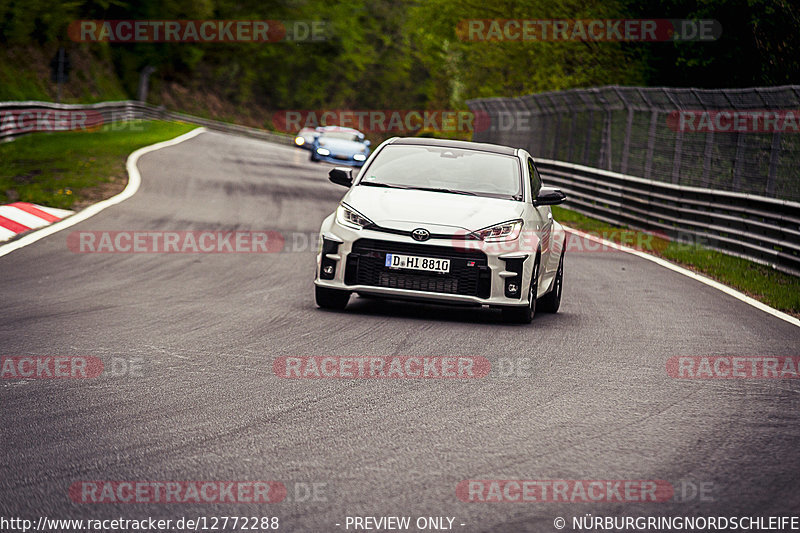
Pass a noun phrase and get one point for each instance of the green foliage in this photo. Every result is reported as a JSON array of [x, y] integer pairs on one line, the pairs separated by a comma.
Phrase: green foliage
[[759, 45], [407, 53], [472, 69]]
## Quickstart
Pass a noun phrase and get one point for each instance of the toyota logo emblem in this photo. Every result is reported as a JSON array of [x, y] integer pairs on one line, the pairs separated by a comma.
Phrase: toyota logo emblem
[[420, 234]]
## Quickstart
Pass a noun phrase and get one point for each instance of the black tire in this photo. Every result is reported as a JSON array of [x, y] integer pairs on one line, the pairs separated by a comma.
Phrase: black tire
[[313, 156], [520, 314], [550, 302], [331, 298]]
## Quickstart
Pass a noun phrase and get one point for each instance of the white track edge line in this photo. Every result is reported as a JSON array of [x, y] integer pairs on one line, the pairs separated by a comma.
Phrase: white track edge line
[[134, 180], [694, 275]]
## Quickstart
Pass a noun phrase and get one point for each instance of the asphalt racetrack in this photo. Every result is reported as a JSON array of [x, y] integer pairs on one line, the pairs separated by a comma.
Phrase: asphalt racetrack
[[580, 395]]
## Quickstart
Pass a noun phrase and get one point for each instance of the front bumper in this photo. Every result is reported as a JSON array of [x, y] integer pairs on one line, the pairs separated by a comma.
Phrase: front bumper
[[339, 159], [354, 260]]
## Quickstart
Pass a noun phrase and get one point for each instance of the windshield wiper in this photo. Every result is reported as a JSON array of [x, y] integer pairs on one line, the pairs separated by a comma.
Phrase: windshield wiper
[[378, 184], [431, 189], [436, 189]]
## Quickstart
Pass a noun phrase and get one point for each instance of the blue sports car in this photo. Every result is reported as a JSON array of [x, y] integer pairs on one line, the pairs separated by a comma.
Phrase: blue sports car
[[341, 146]]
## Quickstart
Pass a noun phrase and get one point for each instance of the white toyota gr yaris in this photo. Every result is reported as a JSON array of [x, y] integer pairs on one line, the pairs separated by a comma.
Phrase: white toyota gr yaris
[[447, 222]]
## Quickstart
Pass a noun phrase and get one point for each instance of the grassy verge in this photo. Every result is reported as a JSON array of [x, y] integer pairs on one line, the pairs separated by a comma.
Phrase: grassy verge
[[73, 169], [776, 289]]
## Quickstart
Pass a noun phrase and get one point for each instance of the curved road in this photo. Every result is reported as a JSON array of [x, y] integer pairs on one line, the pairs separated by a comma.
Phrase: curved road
[[597, 402]]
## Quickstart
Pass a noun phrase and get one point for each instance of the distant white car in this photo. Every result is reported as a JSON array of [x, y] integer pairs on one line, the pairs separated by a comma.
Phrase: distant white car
[[448, 222]]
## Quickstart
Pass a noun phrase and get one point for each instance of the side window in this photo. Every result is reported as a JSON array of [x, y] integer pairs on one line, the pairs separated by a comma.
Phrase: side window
[[536, 181]]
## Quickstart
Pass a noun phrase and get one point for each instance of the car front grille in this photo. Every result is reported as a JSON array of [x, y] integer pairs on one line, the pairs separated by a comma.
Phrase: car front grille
[[469, 272]]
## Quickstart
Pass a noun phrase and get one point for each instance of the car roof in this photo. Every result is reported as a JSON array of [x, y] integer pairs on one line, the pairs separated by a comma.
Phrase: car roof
[[448, 143]]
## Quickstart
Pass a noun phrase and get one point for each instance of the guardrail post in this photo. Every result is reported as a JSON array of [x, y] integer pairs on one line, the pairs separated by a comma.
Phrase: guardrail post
[[707, 152], [676, 160], [557, 134], [626, 148], [144, 81], [626, 144], [774, 155], [741, 139], [587, 147], [571, 137], [605, 138], [651, 144]]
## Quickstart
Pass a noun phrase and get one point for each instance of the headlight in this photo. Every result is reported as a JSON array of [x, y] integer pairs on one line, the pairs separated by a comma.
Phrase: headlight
[[299, 141], [505, 231], [347, 216], [323, 151], [360, 157]]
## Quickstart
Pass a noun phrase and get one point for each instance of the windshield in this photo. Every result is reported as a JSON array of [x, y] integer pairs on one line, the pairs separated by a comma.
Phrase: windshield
[[451, 170], [346, 135]]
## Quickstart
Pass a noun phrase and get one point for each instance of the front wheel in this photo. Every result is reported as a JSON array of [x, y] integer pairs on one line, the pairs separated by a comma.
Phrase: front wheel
[[550, 302], [524, 315], [331, 298]]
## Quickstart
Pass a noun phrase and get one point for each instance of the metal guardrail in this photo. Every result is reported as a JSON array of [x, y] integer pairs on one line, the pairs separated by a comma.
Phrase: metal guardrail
[[21, 118], [765, 230]]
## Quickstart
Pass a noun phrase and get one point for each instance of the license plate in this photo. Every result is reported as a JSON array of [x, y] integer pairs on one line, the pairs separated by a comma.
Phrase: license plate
[[412, 262]]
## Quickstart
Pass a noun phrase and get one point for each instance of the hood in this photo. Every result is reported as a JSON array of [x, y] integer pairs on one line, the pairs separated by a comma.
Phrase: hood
[[437, 212], [342, 146]]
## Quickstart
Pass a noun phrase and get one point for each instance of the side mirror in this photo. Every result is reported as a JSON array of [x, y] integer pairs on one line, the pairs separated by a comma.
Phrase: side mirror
[[550, 196], [341, 176], [367, 143]]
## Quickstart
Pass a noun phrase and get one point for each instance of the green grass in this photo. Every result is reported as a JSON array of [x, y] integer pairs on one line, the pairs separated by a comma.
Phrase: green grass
[[67, 169], [776, 289]]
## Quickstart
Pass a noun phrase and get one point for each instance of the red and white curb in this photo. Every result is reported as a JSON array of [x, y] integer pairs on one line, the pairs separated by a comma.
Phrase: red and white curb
[[20, 217], [134, 179]]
